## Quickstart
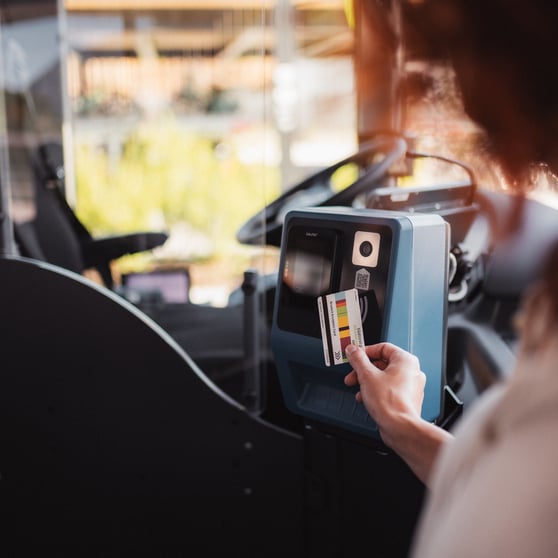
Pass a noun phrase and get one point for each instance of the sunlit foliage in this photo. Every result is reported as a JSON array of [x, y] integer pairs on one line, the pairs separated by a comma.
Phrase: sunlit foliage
[[164, 176]]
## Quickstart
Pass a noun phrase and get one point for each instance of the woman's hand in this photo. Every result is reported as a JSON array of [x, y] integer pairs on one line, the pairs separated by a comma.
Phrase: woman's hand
[[391, 387], [391, 384]]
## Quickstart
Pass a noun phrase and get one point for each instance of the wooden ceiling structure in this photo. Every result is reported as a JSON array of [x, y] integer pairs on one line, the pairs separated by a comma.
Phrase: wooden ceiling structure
[[120, 5], [191, 25]]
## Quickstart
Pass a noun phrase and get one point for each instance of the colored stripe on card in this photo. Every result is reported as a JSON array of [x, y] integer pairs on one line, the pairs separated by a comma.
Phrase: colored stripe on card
[[342, 321]]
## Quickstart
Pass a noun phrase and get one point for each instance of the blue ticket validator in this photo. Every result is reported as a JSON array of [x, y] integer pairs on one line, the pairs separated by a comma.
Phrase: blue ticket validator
[[396, 265]]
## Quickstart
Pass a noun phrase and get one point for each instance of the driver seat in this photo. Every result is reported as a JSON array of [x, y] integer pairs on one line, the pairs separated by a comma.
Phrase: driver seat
[[56, 234]]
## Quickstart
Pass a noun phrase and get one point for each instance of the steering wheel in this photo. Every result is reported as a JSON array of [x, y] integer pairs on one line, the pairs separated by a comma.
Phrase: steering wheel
[[266, 226]]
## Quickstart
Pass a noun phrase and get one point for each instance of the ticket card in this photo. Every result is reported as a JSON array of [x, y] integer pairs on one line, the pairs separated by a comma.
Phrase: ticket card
[[341, 324]]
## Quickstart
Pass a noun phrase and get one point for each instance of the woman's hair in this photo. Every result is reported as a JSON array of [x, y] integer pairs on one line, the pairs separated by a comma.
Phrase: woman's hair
[[505, 56]]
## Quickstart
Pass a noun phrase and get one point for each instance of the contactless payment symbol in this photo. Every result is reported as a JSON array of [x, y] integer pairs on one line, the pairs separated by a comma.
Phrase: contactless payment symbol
[[340, 323]]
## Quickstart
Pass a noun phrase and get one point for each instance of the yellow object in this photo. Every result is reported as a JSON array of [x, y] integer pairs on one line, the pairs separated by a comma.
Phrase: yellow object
[[350, 13]]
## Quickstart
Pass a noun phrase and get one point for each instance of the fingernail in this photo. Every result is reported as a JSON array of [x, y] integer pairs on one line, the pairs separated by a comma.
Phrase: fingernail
[[350, 349]]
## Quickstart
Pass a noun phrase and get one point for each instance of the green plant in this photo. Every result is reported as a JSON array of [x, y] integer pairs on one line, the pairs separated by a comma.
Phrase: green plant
[[165, 176]]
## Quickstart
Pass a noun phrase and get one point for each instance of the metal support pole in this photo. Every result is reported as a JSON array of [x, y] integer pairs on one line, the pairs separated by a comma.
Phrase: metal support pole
[[252, 390], [285, 89]]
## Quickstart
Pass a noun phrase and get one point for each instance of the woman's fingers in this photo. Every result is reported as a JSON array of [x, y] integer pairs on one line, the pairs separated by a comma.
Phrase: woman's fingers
[[351, 379]]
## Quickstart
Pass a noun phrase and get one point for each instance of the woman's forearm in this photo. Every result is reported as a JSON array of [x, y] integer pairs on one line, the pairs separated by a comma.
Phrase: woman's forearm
[[418, 442]]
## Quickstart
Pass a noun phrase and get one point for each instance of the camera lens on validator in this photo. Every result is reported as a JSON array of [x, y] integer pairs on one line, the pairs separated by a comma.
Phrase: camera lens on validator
[[365, 249]]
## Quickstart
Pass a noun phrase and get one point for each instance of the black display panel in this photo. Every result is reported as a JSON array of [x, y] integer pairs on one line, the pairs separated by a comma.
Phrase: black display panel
[[307, 273], [320, 260]]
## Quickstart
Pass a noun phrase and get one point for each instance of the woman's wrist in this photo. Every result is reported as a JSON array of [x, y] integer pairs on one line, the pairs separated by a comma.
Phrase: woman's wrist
[[417, 441]]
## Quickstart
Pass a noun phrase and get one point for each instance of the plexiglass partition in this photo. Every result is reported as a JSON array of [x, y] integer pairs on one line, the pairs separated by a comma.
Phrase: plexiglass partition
[[189, 117], [31, 96], [192, 116]]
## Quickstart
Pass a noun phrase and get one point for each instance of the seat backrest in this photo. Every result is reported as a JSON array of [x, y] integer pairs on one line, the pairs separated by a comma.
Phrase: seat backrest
[[54, 234]]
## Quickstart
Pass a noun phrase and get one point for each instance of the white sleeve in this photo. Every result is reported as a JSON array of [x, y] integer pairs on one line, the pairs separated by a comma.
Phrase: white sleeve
[[494, 491]]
